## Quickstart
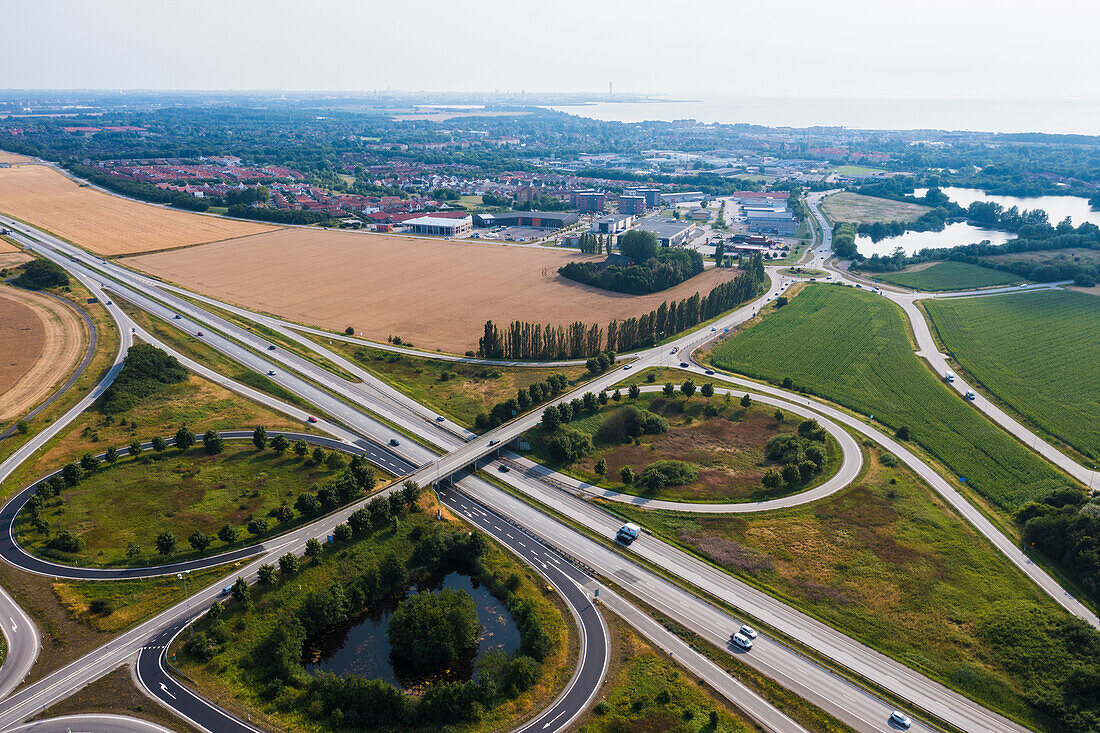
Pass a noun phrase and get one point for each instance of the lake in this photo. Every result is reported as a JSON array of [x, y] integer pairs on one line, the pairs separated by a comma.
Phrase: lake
[[361, 646], [1057, 207], [962, 233]]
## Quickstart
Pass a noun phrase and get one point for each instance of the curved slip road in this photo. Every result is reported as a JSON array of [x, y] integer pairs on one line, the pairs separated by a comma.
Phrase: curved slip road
[[851, 465], [91, 723]]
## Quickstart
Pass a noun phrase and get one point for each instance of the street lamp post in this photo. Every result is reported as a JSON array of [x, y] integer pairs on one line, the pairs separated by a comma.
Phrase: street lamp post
[[187, 598]]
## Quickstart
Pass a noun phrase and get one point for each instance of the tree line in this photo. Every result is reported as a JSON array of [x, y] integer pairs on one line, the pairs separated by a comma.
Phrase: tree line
[[668, 268], [525, 399], [591, 243], [531, 341]]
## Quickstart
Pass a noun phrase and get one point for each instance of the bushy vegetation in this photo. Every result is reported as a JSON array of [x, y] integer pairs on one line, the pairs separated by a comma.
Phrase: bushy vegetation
[[1065, 526], [525, 399], [1036, 351], [256, 644], [662, 474], [147, 369], [668, 267], [433, 630], [42, 274], [853, 347]]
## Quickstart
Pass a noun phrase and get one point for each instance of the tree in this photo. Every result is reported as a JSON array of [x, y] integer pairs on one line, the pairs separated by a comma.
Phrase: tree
[[166, 543], [688, 388], [360, 521], [266, 574], [342, 532], [313, 548], [279, 444], [639, 245], [410, 492], [160, 444], [707, 390], [669, 389], [257, 526], [199, 541], [617, 395], [72, 473], [349, 331], [772, 478], [433, 630], [89, 462], [569, 444], [902, 433], [379, 509], [227, 534], [212, 443], [626, 473], [282, 513], [318, 456], [289, 564], [551, 418], [601, 467], [300, 448], [603, 397], [111, 455], [133, 550], [787, 383], [634, 391], [259, 437], [23, 427], [791, 474], [184, 438], [134, 448], [778, 415], [746, 401], [335, 461], [240, 592]]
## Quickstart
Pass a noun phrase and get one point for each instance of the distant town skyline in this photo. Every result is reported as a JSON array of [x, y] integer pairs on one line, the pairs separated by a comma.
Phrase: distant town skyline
[[979, 49]]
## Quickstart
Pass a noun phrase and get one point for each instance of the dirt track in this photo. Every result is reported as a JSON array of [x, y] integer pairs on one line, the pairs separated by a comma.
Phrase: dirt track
[[106, 224], [43, 341], [434, 293]]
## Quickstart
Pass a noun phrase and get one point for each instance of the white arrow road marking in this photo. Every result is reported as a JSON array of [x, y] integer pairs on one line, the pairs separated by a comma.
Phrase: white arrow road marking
[[13, 626], [166, 692], [551, 721]]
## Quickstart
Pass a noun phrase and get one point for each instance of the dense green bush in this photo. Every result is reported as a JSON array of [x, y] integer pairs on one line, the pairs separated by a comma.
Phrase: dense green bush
[[432, 631], [147, 369], [631, 422], [659, 475], [568, 444], [41, 274]]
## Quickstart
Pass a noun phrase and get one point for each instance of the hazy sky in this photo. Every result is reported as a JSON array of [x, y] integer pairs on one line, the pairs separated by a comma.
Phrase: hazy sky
[[880, 48]]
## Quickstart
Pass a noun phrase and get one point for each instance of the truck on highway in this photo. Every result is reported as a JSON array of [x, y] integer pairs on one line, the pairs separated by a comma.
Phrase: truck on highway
[[628, 533]]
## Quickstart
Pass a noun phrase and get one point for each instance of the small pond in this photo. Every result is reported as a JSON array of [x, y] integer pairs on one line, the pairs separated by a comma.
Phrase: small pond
[[361, 646]]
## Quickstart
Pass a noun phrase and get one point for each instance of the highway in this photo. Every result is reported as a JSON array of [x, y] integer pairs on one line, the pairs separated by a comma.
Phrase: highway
[[866, 711]]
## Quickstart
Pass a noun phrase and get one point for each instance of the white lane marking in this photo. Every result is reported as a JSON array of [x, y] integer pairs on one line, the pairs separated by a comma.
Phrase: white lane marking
[[13, 626], [551, 721], [166, 692]]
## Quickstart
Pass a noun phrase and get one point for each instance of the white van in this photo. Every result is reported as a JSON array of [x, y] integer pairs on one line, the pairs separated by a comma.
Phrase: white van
[[949, 376], [628, 533]]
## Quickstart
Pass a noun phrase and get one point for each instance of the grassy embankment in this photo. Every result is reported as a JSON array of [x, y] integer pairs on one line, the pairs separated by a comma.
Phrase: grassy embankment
[[175, 492], [853, 347], [646, 691], [887, 562], [1036, 351], [727, 449], [457, 390], [947, 275], [860, 209], [233, 678]]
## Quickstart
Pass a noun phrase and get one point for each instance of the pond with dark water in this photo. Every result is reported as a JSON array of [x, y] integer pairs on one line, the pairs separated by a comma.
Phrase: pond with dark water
[[361, 646]]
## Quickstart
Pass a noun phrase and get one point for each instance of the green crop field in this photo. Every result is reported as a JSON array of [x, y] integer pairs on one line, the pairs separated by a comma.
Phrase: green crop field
[[852, 347], [1037, 351], [949, 276]]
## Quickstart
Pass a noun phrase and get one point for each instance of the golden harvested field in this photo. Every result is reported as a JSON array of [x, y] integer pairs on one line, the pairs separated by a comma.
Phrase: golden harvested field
[[108, 225], [43, 341], [434, 293], [10, 255], [860, 209], [14, 158]]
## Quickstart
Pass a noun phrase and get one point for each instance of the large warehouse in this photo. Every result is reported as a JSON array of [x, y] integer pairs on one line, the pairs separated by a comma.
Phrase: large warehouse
[[439, 226], [533, 219], [670, 232]]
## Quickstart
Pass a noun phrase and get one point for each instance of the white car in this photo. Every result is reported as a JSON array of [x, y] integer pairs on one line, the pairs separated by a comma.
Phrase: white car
[[271, 372], [900, 719], [748, 631], [742, 641]]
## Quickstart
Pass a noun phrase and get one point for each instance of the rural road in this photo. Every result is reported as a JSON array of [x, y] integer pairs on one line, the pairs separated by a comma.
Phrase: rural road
[[90, 723]]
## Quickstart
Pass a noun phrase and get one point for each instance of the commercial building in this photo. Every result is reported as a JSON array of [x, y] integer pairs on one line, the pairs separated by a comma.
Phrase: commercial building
[[652, 196], [670, 232], [632, 205], [766, 220], [699, 214], [612, 224], [767, 198], [533, 219], [679, 198], [588, 200], [440, 226]]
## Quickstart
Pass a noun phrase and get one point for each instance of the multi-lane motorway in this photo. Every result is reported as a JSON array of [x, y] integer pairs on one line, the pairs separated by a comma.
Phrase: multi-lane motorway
[[304, 377]]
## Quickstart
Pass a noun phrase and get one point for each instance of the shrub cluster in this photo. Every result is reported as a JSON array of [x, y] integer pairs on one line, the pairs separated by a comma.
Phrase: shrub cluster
[[146, 370], [525, 399], [802, 456], [668, 268], [42, 274]]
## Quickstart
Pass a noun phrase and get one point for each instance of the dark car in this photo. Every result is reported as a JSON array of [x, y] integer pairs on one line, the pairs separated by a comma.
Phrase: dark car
[[394, 441], [683, 365], [709, 371], [503, 468], [271, 348]]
